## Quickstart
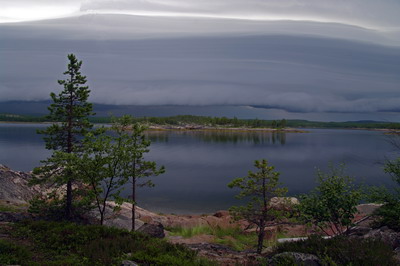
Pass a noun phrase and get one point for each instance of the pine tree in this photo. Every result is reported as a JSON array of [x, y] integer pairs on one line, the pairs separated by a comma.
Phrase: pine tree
[[70, 111], [135, 167], [260, 187]]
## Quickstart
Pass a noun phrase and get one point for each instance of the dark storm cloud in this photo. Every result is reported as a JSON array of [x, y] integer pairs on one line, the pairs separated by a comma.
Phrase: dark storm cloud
[[301, 74], [290, 55]]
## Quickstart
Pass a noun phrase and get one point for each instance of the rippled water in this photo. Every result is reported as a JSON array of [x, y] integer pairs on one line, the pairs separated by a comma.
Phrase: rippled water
[[200, 164]]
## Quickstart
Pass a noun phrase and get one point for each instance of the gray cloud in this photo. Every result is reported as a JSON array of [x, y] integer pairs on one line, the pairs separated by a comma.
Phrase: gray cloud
[[215, 53], [378, 15], [365, 13], [297, 74]]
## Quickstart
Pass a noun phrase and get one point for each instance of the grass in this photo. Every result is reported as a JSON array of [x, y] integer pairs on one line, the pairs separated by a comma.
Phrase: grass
[[62, 243], [233, 237], [6, 207], [188, 232]]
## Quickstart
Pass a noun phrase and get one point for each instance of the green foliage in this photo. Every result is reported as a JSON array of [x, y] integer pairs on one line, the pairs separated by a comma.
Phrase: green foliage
[[342, 251], [71, 110], [259, 188], [389, 213], [52, 206], [12, 254], [133, 165], [284, 260], [65, 243], [393, 168], [332, 204], [101, 166]]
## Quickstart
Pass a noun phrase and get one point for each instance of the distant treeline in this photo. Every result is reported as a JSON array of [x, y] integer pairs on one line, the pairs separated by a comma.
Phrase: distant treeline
[[184, 120]]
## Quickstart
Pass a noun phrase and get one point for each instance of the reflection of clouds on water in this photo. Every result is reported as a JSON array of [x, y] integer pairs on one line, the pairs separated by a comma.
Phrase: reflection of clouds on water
[[200, 164], [226, 136]]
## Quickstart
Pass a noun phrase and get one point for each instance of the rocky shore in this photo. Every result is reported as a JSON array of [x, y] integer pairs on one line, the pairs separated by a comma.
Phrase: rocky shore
[[15, 193]]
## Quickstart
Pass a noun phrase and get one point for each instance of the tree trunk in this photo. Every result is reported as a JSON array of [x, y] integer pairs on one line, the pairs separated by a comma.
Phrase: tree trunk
[[133, 202], [68, 207], [261, 235], [101, 218]]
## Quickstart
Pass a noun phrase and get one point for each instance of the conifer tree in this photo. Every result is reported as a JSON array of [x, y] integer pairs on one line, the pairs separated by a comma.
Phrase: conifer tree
[[69, 111], [135, 167], [259, 187]]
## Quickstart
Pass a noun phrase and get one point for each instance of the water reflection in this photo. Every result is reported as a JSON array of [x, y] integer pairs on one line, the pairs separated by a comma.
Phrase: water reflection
[[228, 136], [199, 164]]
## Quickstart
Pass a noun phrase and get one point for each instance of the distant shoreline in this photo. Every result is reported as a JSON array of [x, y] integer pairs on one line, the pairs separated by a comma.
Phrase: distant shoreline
[[233, 129]]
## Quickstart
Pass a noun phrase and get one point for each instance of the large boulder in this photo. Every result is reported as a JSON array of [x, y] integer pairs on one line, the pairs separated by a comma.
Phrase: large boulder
[[153, 230], [224, 255], [386, 235]]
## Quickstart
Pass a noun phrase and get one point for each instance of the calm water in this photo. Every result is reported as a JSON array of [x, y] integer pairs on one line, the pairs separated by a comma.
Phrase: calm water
[[200, 164]]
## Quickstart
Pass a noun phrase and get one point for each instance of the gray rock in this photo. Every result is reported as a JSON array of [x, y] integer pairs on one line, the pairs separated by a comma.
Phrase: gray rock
[[122, 222], [14, 217], [397, 255], [359, 230], [129, 263], [14, 186], [388, 236], [297, 258], [153, 230]]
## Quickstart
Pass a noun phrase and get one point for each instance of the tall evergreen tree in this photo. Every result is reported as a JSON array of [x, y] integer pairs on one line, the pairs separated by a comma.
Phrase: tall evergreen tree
[[135, 167], [70, 111]]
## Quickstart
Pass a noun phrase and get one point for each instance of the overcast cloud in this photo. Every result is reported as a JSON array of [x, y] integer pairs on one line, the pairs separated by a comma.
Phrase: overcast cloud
[[298, 56]]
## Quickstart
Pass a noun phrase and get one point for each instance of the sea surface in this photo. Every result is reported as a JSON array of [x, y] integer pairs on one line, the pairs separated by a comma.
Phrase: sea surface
[[200, 164]]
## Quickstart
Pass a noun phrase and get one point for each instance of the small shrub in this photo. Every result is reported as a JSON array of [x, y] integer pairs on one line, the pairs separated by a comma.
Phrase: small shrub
[[10, 253], [389, 215], [331, 206], [343, 251], [63, 243]]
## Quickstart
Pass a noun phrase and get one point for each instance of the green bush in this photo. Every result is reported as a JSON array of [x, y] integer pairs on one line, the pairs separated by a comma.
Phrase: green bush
[[389, 215], [342, 251], [332, 203], [10, 253], [63, 243]]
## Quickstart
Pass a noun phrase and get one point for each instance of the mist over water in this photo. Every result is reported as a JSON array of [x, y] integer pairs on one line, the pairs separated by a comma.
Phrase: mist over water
[[199, 164]]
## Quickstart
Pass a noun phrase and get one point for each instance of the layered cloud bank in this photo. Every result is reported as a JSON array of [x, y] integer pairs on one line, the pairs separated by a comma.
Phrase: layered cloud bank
[[298, 56]]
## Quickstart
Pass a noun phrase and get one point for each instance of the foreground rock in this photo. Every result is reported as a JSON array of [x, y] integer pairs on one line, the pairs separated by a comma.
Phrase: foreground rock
[[123, 216], [295, 257], [14, 187], [224, 255], [154, 230]]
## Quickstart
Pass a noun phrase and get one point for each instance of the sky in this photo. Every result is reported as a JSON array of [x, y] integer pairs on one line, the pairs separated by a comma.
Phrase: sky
[[312, 59]]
